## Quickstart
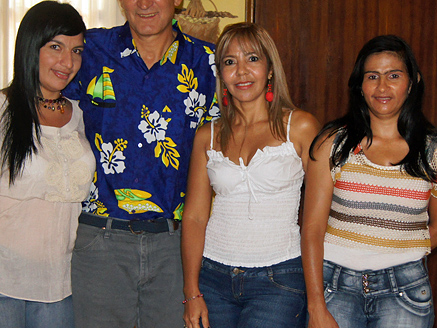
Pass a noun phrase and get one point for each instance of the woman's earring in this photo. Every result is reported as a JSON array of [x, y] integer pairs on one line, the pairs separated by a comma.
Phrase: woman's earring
[[225, 100], [269, 93]]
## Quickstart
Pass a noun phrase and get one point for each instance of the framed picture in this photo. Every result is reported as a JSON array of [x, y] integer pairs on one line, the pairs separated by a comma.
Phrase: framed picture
[[205, 19]]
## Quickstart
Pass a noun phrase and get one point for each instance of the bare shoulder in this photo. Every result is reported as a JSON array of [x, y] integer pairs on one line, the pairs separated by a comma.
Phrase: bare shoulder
[[304, 120], [204, 129], [203, 134], [303, 126]]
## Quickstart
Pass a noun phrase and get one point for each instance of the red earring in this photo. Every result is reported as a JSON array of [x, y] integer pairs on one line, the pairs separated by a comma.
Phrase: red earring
[[225, 99], [269, 93]]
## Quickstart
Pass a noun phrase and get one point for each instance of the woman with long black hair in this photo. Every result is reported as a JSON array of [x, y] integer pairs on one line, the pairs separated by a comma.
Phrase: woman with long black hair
[[370, 210], [46, 170]]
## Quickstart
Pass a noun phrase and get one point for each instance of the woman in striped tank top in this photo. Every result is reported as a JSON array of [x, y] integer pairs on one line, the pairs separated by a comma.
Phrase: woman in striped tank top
[[370, 202]]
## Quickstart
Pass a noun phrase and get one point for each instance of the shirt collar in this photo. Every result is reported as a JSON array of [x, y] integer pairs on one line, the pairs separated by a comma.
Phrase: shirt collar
[[128, 47]]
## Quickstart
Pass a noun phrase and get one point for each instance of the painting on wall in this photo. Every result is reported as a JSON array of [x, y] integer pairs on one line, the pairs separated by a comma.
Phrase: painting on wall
[[205, 19]]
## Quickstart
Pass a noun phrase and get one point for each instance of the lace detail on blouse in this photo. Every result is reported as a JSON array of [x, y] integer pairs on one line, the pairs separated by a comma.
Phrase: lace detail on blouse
[[39, 214]]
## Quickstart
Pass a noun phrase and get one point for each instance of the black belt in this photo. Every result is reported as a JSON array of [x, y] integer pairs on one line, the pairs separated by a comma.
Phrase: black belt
[[135, 226]]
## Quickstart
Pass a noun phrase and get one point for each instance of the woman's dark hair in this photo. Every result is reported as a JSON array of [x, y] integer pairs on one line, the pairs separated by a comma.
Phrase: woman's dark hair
[[412, 124], [19, 122]]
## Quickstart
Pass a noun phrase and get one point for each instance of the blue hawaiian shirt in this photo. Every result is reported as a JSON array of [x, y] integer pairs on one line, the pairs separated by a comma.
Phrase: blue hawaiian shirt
[[141, 122]]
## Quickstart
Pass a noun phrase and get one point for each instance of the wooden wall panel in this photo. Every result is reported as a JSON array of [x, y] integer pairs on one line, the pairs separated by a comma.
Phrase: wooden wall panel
[[319, 40]]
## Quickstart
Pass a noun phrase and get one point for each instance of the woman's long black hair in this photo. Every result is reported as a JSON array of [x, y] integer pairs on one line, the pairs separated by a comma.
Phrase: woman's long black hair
[[412, 123], [19, 122]]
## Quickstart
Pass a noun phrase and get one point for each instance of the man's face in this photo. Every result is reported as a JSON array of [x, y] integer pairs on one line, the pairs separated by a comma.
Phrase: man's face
[[149, 17]]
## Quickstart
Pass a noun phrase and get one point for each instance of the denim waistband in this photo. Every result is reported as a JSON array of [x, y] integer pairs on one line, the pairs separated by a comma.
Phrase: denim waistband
[[288, 266], [369, 282]]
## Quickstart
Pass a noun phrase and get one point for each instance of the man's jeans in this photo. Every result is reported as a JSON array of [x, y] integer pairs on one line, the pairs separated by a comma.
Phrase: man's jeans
[[122, 280]]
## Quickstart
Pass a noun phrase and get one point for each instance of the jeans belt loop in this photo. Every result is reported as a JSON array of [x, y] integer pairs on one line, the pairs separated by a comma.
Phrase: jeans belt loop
[[270, 272], [108, 228], [335, 276], [172, 226], [392, 278], [425, 263]]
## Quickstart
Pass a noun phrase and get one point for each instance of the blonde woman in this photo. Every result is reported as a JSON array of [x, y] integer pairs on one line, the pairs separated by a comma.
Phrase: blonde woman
[[242, 265]]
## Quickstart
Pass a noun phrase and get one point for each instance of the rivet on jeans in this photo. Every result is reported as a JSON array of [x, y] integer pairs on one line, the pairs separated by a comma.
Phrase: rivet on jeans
[[237, 271]]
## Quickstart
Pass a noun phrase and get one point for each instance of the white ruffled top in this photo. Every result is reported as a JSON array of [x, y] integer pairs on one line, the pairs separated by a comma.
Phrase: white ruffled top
[[255, 211]]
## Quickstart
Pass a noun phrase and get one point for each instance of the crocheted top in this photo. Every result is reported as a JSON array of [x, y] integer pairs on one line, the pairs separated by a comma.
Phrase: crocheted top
[[378, 208], [254, 217]]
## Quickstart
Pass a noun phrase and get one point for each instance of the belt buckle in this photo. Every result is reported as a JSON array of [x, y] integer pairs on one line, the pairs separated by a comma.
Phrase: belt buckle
[[129, 224]]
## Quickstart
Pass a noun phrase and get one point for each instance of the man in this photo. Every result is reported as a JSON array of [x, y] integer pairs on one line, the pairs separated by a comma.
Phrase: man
[[144, 89]]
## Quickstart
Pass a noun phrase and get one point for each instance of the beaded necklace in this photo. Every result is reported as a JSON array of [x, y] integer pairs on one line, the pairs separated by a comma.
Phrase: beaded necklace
[[54, 104]]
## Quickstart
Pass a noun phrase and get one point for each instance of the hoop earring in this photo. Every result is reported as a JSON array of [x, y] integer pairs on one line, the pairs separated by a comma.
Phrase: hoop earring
[[225, 100], [269, 93]]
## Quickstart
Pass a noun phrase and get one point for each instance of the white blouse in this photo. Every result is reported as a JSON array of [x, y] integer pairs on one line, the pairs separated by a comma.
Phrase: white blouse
[[39, 213], [254, 216]]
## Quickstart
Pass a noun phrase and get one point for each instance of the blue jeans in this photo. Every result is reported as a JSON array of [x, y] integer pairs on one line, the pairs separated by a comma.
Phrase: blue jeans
[[15, 313], [396, 297], [263, 297], [122, 280]]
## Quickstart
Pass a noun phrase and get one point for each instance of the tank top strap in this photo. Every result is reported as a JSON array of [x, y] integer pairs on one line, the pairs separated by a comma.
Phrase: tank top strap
[[212, 135], [288, 125]]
